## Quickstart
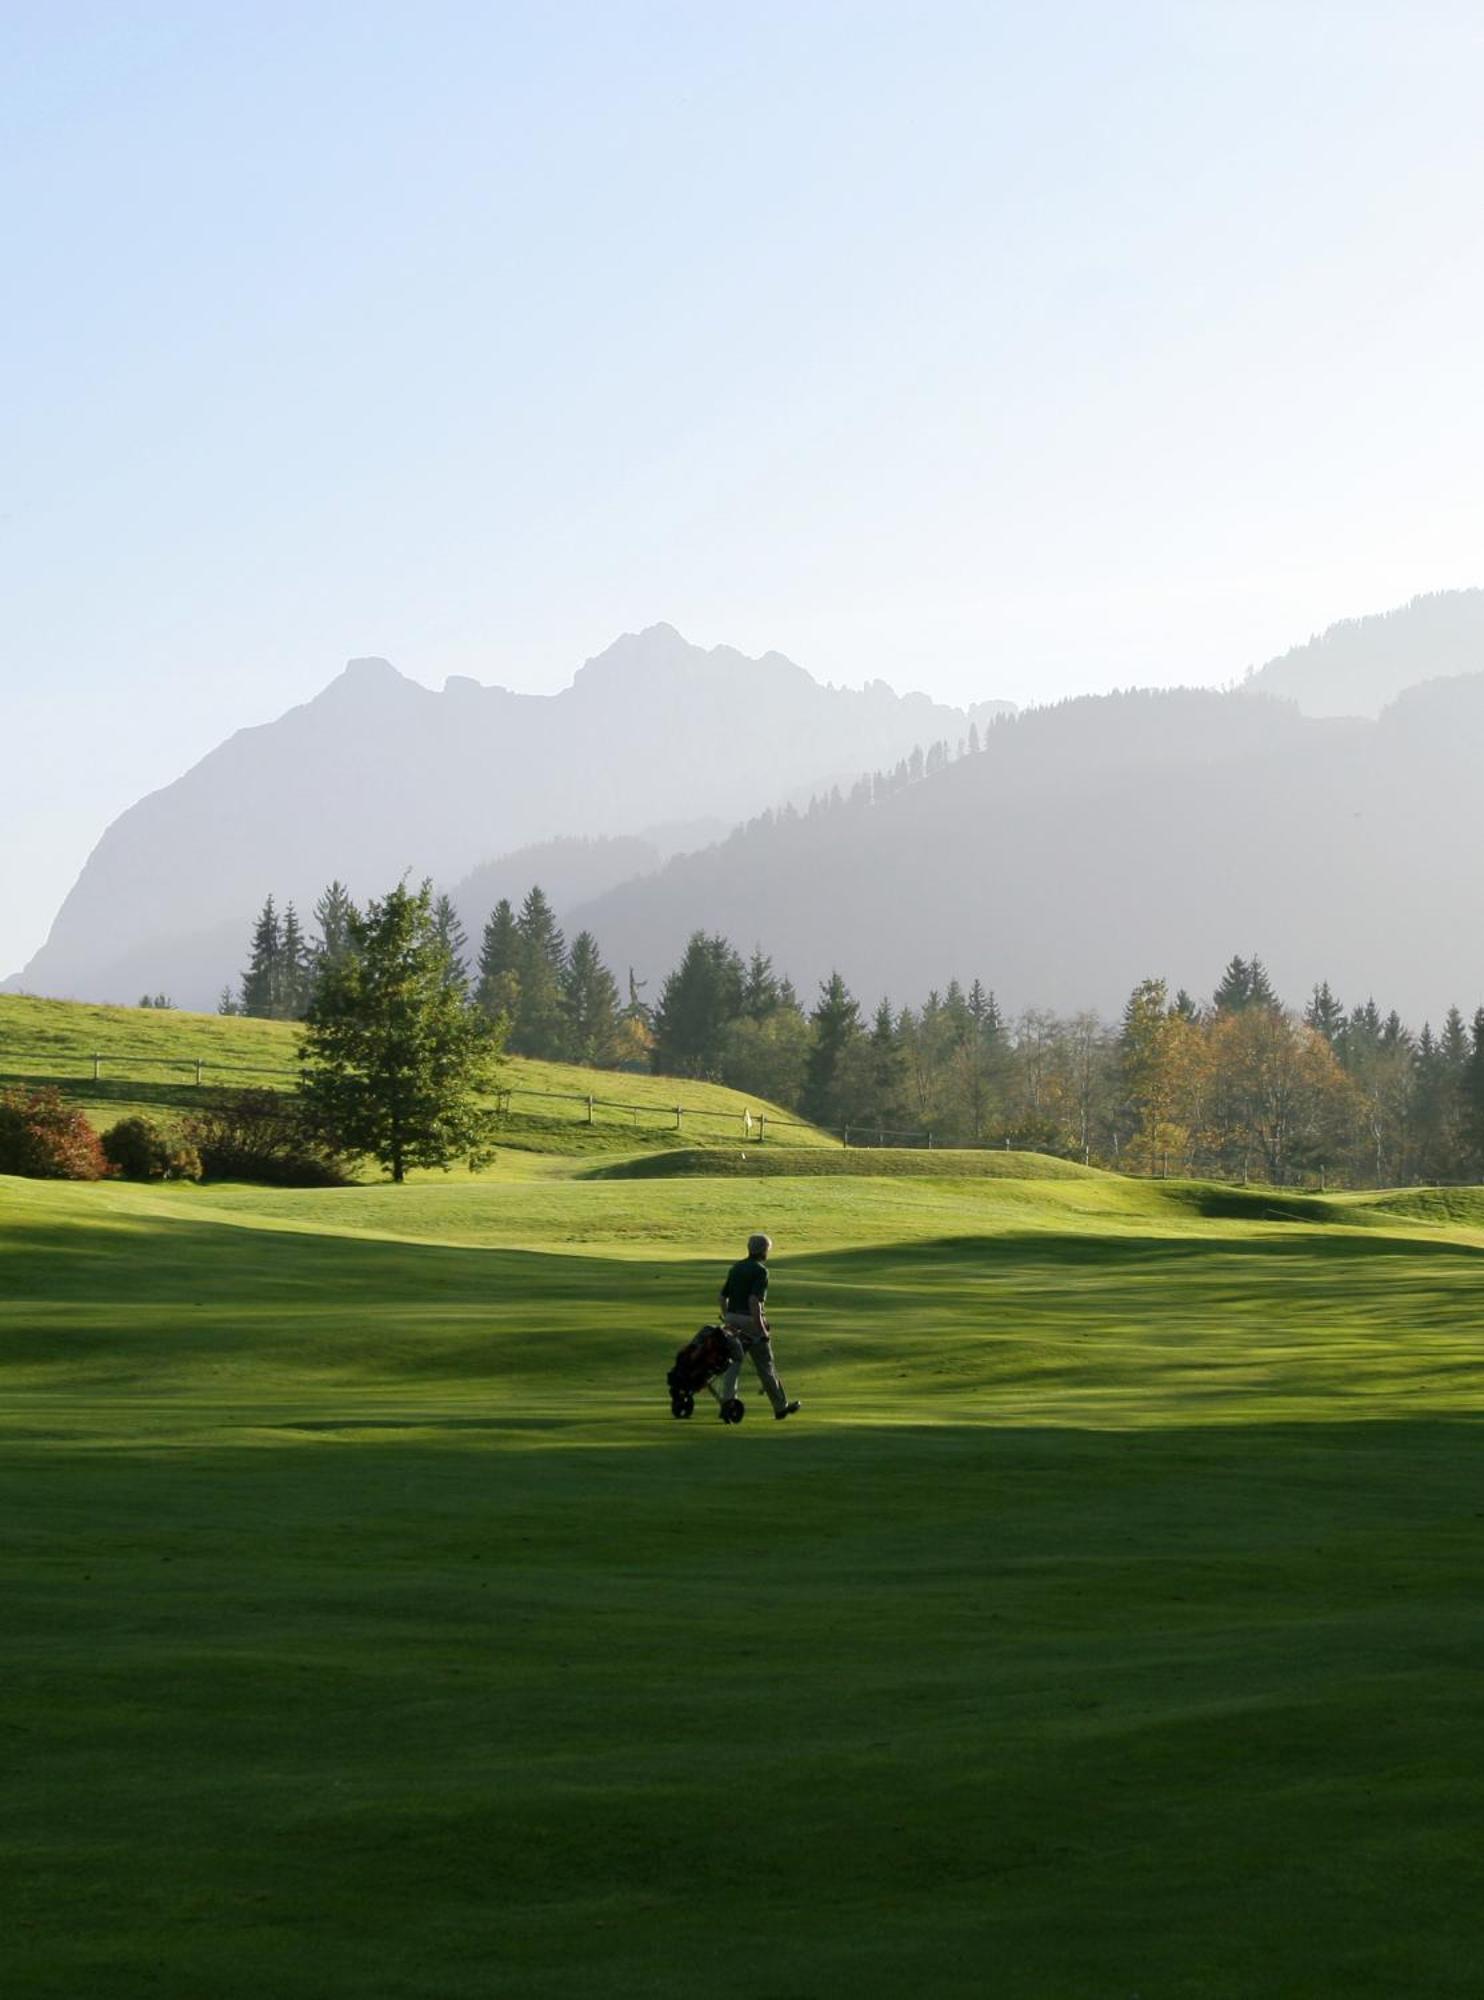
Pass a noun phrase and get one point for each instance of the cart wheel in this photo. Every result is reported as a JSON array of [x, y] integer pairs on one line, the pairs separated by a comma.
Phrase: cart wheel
[[734, 1411], [684, 1403]]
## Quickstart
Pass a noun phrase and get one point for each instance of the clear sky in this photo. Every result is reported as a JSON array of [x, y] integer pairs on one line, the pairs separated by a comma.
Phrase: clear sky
[[999, 350]]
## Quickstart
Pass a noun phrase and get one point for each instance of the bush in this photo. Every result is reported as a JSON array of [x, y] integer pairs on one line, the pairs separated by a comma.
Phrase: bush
[[140, 1151], [47, 1139], [261, 1136]]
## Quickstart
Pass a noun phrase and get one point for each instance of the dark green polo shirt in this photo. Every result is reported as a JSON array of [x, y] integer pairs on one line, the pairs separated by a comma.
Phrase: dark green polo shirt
[[747, 1280]]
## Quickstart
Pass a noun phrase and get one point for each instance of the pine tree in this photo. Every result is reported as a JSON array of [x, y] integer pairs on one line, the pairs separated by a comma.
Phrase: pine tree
[[698, 1002], [540, 1019], [1324, 1014], [332, 914], [759, 987], [294, 976], [836, 1024], [262, 981], [227, 1002], [590, 997], [395, 1059], [1245, 983], [1473, 1097], [451, 931], [1453, 1058], [498, 990], [887, 1070]]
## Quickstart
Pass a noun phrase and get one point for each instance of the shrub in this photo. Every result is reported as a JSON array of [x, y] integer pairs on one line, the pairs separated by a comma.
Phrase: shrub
[[47, 1139], [140, 1151], [259, 1135]]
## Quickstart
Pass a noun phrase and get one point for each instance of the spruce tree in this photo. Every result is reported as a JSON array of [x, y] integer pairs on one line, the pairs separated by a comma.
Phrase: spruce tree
[[262, 981], [759, 987], [294, 974], [1233, 989], [1473, 1099], [1324, 1013], [540, 1020], [451, 932], [590, 999], [395, 1060], [698, 1002], [332, 914], [836, 1024], [498, 990]]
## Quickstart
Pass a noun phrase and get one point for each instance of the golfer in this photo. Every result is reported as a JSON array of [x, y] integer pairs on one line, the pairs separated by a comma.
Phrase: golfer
[[742, 1296]]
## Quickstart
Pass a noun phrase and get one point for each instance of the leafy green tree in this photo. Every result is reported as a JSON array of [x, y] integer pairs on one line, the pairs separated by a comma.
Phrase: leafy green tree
[[590, 997], [1154, 1051], [766, 1058], [697, 1004], [395, 1058]]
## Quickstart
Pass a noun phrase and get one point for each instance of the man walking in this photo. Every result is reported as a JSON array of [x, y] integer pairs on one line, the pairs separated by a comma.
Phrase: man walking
[[742, 1295]]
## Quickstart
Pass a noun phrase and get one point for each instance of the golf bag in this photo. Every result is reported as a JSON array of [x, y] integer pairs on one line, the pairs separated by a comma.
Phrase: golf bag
[[697, 1366]]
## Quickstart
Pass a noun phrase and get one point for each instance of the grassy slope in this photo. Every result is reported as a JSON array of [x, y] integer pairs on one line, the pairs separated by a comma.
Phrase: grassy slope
[[149, 1065], [1108, 1624]]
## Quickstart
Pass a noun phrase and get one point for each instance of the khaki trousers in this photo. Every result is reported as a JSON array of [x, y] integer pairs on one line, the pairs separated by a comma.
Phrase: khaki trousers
[[743, 1339]]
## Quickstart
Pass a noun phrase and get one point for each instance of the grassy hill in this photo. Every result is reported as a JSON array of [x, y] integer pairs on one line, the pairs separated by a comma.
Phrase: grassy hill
[[1106, 1624], [148, 1062]]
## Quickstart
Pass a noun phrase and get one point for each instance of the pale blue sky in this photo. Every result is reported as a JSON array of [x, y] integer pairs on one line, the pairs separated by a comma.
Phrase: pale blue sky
[[997, 350]]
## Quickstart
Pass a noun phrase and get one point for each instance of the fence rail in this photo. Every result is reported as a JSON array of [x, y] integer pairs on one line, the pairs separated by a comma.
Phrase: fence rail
[[205, 1073]]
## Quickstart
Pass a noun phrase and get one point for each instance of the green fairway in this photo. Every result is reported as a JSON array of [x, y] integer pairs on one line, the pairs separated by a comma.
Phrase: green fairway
[[1107, 1624]]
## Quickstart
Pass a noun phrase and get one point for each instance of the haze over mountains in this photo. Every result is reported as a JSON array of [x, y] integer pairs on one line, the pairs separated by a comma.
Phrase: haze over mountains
[[1086, 846], [378, 776]]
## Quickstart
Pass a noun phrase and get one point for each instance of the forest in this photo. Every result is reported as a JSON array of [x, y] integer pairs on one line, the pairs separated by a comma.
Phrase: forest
[[1237, 1086]]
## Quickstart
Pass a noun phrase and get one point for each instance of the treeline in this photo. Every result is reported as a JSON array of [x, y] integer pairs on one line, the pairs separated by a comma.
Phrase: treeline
[[554, 1000], [1240, 1086], [1237, 1086]]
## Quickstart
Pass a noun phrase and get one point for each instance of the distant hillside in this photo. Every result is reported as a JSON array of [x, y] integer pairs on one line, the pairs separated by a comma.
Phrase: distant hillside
[[1361, 664], [378, 776], [1095, 843]]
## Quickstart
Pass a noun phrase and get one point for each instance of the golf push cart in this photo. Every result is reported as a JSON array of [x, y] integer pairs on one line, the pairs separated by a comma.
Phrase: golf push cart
[[697, 1366]]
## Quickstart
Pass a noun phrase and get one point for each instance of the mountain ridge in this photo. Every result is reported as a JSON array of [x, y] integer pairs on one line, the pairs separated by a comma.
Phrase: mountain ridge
[[376, 776]]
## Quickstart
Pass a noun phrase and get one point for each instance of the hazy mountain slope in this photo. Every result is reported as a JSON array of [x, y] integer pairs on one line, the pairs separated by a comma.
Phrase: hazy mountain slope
[[1096, 843], [1359, 665], [377, 776]]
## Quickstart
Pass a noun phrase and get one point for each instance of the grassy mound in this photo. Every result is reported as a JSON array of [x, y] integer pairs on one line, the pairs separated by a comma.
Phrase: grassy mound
[[761, 1163], [1461, 1207], [1109, 1615], [147, 1064]]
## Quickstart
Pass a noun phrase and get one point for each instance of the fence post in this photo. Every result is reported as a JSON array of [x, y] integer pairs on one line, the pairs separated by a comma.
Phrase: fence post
[[96, 1060], [679, 1114], [846, 1135], [762, 1126], [198, 1069], [930, 1142], [589, 1107]]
